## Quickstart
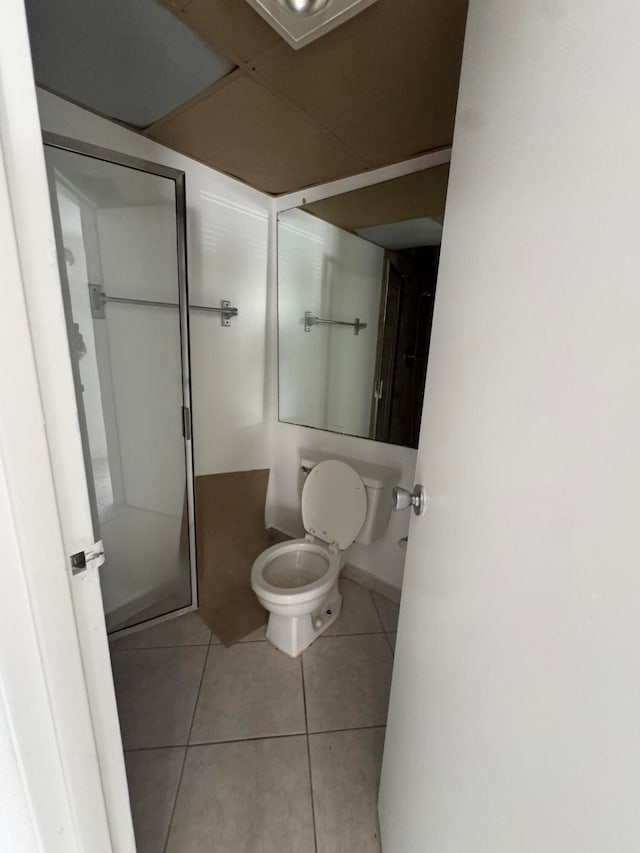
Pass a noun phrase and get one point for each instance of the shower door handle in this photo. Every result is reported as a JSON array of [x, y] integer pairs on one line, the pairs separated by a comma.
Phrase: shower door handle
[[186, 423]]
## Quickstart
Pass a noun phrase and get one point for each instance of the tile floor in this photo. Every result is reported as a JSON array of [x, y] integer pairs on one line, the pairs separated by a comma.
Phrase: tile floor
[[243, 750]]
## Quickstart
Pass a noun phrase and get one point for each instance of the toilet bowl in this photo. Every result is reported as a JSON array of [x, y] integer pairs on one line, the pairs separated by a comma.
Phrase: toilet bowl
[[297, 581]]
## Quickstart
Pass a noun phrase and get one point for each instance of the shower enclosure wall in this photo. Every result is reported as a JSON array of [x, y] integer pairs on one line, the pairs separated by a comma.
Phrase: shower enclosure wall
[[120, 231]]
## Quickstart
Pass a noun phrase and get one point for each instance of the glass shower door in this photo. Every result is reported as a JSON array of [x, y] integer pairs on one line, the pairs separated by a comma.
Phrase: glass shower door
[[120, 235]]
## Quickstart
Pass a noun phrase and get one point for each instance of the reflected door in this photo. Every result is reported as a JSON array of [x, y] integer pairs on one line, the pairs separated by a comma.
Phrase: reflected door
[[120, 235]]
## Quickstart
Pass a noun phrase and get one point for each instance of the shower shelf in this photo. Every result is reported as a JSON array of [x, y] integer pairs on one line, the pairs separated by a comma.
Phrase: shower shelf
[[99, 299]]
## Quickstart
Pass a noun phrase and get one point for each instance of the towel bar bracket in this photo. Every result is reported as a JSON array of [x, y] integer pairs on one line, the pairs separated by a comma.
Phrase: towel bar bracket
[[311, 320], [99, 299]]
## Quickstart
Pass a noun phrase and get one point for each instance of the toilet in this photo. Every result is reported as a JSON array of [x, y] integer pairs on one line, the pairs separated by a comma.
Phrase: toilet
[[297, 581]]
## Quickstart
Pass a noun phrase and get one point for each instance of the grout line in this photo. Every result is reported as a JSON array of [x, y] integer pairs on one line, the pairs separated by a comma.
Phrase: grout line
[[168, 646], [258, 737], [357, 634], [377, 611], [386, 633], [186, 747], [306, 728], [354, 729], [247, 642]]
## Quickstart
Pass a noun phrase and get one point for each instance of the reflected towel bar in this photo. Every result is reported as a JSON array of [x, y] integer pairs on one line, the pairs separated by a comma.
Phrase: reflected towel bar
[[310, 320], [99, 298]]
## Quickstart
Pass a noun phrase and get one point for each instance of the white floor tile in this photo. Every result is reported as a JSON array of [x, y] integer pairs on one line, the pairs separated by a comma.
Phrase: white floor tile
[[245, 797], [249, 690], [153, 776], [345, 774], [347, 681], [358, 614], [156, 691]]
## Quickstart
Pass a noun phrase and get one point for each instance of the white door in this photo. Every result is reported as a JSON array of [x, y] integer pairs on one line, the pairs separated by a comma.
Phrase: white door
[[39, 409], [515, 703]]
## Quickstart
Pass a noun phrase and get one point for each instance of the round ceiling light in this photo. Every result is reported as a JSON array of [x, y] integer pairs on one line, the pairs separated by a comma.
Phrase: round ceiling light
[[303, 7]]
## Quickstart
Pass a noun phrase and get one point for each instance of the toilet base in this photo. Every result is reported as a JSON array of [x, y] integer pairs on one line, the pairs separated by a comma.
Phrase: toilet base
[[293, 634]]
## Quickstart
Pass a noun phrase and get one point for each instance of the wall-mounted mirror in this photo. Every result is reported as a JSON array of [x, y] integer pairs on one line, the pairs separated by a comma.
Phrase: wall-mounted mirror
[[356, 287]]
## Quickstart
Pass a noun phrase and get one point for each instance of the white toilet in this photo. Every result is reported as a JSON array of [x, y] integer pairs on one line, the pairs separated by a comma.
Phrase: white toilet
[[297, 581]]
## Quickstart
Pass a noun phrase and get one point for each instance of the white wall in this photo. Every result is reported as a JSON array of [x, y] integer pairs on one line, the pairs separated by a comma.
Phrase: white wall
[[303, 357], [139, 261], [326, 375], [227, 226]]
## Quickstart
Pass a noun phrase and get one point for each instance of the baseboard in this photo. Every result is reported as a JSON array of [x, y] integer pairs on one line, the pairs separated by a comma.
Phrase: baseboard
[[354, 573], [372, 582], [277, 535]]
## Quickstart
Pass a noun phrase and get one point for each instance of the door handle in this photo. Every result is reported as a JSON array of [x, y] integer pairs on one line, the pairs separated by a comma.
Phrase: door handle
[[403, 499]]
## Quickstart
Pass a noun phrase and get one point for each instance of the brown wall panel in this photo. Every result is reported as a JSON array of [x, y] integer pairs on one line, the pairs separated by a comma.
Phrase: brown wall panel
[[408, 197], [244, 130]]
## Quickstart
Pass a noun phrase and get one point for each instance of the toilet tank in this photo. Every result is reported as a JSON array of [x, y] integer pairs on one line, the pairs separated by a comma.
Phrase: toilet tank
[[379, 482]]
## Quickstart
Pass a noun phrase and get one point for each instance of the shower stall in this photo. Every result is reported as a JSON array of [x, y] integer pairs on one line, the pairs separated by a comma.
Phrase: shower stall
[[120, 232]]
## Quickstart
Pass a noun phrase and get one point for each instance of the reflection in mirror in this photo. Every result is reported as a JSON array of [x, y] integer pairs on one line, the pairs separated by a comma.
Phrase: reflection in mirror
[[356, 287]]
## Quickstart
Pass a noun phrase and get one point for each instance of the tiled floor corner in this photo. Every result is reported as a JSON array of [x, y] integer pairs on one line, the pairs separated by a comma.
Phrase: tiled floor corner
[[153, 776], [244, 749]]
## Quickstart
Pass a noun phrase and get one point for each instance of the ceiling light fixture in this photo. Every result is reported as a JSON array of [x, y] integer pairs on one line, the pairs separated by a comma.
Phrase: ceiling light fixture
[[302, 21], [303, 7]]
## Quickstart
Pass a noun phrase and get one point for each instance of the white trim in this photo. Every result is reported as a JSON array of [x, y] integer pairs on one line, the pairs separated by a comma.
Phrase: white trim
[[27, 531], [362, 179], [51, 524], [372, 582], [149, 623]]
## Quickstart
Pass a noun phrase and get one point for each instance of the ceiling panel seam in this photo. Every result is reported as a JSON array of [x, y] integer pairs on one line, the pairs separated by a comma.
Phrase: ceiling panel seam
[[269, 87], [158, 126], [248, 66], [231, 77], [244, 68]]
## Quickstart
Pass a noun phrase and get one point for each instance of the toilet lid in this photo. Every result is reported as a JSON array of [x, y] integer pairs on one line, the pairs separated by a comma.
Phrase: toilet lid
[[334, 503]]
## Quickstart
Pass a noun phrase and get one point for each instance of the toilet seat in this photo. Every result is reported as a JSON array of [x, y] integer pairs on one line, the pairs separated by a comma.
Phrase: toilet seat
[[326, 566], [334, 506], [334, 503]]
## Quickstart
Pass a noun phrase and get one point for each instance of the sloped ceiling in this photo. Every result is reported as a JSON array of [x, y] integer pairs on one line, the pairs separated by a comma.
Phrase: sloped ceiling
[[410, 197], [131, 62], [379, 89]]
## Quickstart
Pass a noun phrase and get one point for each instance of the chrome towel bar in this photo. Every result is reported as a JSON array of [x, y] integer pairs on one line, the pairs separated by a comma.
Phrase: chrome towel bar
[[310, 320], [99, 298]]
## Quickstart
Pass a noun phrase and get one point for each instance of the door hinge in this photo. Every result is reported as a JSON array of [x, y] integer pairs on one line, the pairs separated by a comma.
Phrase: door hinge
[[90, 558], [186, 423]]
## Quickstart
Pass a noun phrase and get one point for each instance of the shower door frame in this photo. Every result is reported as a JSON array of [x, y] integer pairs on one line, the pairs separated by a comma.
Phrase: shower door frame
[[75, 146]]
